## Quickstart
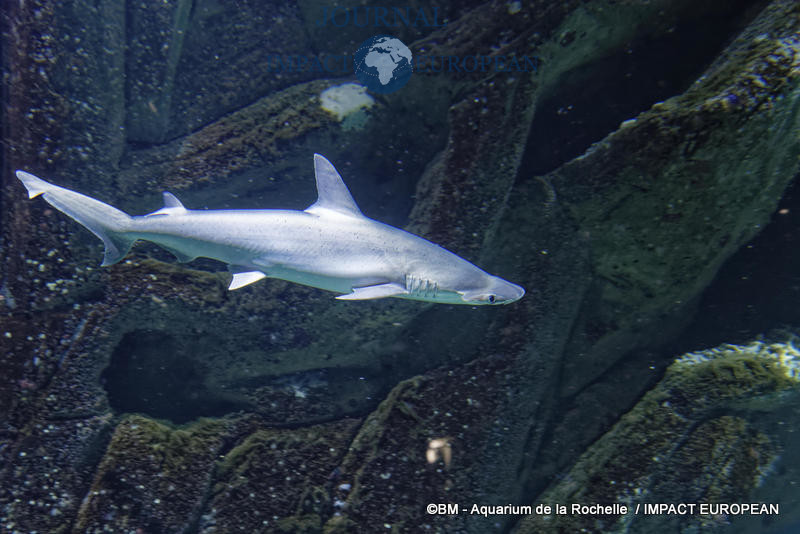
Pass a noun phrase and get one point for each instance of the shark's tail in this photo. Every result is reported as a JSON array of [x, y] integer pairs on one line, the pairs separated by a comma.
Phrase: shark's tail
[[106, 222]]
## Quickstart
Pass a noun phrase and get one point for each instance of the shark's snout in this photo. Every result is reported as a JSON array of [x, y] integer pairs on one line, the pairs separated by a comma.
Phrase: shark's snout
[[496, 291], [507, 292]]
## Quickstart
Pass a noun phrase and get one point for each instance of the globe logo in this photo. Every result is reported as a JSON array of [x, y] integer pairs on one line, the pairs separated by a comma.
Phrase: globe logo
[[383, 64]]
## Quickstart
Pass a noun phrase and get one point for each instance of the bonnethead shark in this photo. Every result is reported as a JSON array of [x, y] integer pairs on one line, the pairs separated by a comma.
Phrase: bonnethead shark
[[330, 245]]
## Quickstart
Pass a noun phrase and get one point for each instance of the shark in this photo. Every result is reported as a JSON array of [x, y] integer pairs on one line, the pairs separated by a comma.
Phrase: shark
[[331, 245]]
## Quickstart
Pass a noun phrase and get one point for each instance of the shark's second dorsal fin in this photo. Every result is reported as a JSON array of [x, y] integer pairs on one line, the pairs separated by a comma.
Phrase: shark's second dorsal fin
[[332, 194], [171, 205]]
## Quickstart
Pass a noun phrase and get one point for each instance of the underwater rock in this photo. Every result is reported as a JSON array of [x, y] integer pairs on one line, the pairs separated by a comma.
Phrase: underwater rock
[[178, 79], [215, 476], [46, 468], [462, 193], [662, 203], [248, 138], [67, 106], [707, 433], [278, 480], [64, 109], [152, 477], [395, 464], [706, 167], [171, 342]]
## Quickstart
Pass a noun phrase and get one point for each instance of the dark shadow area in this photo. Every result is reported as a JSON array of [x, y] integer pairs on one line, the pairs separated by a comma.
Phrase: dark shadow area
[[153, 373], [592, 100], [758, 288]]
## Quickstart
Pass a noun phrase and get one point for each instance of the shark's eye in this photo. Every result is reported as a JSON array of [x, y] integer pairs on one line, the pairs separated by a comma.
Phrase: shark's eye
[[491, 299]]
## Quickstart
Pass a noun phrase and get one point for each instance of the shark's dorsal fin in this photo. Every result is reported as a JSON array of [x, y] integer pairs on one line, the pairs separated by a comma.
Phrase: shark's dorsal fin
[[171, 205], [332, 194], [171, 201]]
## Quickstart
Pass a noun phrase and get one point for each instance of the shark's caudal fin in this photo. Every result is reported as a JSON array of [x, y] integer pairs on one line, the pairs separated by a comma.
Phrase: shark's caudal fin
[[106, 222]]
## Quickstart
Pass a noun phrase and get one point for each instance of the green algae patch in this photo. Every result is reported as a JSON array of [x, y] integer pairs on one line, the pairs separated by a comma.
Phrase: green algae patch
[[739, 374], [697, 437], [280, 480], [153, 477], [244, 138]]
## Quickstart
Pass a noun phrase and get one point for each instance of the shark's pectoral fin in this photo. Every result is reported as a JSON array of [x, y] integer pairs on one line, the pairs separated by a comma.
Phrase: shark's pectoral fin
[[245, 278], [374, 292]]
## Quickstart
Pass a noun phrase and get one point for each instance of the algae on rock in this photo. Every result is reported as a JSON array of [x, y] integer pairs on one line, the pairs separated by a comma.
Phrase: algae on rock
[[705, 434], [152, 477], [660, 204]]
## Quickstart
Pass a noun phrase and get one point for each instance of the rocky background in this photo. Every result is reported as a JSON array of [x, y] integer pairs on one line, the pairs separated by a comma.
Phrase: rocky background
[[638, 184]]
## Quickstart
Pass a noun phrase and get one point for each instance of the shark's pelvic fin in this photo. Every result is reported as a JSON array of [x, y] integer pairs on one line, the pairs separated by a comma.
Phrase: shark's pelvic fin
[[374, 292], [246, 278], [180, 256], [106, 222], [332, 194]]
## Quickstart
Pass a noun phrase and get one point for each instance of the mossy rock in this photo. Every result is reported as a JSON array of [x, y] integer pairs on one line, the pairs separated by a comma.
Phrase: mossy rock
[[695, 438], [153, 476]]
